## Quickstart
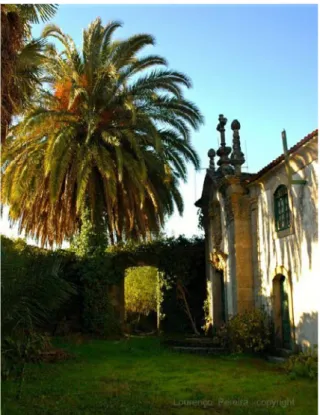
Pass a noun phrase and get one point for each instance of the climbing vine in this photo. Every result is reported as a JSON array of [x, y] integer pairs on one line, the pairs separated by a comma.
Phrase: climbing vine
[[180, 261]]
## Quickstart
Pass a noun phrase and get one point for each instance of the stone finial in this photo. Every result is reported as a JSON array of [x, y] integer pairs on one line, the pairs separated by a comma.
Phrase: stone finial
[[211, 155], [237, 157], [223, 151], [221, 129], [235, 125]]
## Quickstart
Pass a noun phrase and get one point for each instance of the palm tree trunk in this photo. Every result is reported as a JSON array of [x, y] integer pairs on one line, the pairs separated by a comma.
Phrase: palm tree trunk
[[11, 41]]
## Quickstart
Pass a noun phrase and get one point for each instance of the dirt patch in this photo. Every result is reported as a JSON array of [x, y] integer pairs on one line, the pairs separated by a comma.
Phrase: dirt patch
[[54, 355]]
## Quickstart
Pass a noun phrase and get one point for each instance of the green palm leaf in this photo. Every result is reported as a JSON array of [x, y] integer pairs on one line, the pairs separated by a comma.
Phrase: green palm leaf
[[111, 135]]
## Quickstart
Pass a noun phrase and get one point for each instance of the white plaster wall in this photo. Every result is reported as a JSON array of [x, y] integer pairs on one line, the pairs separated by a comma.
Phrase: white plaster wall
[[305, 289], [297, 252]]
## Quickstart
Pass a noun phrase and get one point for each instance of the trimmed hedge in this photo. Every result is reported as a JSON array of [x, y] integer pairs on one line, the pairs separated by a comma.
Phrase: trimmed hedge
[[178, 259]]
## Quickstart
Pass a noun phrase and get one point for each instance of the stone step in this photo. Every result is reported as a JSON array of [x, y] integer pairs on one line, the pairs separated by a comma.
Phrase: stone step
[[202, 340], [276, 359], [284, 352], [279, 355], [198, 350], [191, 342]]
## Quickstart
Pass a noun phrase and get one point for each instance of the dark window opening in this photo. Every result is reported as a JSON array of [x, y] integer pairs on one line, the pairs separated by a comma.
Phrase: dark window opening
[[281, 208]]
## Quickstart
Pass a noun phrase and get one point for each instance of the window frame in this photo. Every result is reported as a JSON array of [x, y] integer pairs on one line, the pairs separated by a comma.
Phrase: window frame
[[281, 196]]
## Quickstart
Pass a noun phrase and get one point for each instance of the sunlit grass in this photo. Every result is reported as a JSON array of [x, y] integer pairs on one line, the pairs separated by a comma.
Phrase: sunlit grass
[[138, 376]]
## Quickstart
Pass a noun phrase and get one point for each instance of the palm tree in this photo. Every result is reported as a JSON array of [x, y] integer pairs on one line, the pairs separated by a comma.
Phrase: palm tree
[[111, 134], [21, 57]]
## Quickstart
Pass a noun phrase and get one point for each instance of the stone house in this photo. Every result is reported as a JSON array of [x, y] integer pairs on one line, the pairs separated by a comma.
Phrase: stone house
[[261, 233]]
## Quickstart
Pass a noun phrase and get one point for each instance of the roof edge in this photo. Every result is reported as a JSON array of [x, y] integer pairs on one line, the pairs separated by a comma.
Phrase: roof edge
[[279, 159]]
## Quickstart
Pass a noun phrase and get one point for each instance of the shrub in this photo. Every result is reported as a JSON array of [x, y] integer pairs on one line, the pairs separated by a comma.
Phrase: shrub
[[22, 346], [92, 269], [304, 364], [98, 315], [141, 298], [208, 326], [181, 261], [96, 272], [141, 290], [32, 291], [248, 332]]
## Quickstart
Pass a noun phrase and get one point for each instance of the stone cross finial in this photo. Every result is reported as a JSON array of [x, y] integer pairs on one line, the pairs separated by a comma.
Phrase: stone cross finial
[[237, 157], [223, 151], [211, 155]]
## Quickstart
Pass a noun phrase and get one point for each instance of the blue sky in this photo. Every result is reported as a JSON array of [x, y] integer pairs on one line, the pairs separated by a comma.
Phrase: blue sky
[[256, 63]]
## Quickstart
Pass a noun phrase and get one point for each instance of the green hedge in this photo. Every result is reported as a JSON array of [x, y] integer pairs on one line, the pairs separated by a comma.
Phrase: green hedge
[[178, 259], [32, 265]]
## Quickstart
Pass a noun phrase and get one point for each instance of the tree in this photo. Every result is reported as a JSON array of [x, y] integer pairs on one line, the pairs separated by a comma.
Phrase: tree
[[141, 290], [21, 57], [112, 135]]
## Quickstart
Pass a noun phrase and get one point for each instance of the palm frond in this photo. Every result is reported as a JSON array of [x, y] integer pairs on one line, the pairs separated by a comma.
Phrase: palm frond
[[111, 133]]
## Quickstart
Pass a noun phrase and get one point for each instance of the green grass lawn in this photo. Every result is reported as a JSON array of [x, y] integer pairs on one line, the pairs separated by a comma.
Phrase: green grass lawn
[[138, 376]]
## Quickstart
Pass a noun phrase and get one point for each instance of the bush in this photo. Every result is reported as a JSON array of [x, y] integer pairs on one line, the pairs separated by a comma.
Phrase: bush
[[20, 347], [32, 292], [141, 298], [181, 262], [304, 364], [248, 332], [141, 290], [92, 269], [98, 314]]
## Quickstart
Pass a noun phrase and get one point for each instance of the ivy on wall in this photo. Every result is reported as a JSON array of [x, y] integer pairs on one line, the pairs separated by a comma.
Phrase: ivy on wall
[[92, 272], [181, 262]]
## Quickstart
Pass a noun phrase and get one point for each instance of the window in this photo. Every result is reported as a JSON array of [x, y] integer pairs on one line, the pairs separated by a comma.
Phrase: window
[[281, 208]]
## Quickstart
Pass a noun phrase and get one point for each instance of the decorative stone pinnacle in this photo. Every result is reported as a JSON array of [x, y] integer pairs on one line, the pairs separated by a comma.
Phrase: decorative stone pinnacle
[[211, 155], [223, 151], [237, 157], [235, 125], [221, 129]]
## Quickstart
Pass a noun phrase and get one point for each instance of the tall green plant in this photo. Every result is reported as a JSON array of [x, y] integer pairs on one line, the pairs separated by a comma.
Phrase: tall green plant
[[141, 290], [303, 364], [89, 240], [32, 290], [249, 331]]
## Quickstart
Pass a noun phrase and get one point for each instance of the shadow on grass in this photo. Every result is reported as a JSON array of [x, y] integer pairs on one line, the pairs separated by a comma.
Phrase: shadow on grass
[[138, 376]]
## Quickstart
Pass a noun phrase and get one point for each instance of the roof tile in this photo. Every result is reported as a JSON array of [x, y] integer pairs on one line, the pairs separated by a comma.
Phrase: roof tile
[[281, 158]]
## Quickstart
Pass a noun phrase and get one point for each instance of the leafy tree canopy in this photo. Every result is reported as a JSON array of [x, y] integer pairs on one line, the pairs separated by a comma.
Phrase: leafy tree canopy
[[111, 135]]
